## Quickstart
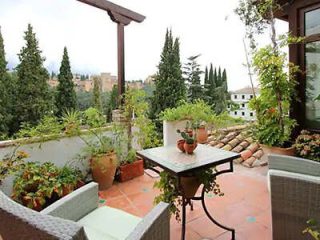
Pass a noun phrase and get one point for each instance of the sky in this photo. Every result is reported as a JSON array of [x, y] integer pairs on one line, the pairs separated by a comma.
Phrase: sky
[[206, 27]]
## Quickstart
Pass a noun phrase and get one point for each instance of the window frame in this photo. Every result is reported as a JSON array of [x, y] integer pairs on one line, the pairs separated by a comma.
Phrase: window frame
[[302, 58]]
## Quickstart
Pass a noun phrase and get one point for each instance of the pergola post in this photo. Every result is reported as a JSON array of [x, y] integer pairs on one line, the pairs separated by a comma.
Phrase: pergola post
[[121, 61], [122, 16]]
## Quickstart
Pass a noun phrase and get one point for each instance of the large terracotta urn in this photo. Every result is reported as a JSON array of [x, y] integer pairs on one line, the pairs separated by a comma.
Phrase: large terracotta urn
[[103, 169]]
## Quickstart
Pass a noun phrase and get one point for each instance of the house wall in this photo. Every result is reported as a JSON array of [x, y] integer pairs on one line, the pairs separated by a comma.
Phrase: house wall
[[244, 112]]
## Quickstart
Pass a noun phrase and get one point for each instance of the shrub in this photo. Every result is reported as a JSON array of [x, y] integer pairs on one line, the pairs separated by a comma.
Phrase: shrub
[[39, 185], [308, 145]]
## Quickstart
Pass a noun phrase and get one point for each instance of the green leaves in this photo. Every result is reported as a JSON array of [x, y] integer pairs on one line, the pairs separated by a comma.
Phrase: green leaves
[[39, 185], [277, 90]]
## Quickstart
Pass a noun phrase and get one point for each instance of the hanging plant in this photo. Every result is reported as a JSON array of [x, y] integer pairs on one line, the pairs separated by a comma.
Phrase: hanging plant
[[170, 192]]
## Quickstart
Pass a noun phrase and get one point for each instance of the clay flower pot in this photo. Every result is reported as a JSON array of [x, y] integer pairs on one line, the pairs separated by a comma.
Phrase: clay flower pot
[[189, 148], [180, 145], [202, 135], [103, 169]]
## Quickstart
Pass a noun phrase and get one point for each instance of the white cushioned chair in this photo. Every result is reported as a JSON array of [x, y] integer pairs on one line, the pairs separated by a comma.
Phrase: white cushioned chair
[[77, 216]]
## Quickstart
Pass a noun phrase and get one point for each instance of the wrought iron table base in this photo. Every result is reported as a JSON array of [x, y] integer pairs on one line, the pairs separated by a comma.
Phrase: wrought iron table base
[[188, 201]]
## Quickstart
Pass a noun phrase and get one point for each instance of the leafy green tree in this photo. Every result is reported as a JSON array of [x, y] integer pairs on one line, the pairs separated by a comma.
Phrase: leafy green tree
[[66, 98], [97, 101], [5, 115], [169, 83], [33, 100], [192, 74]]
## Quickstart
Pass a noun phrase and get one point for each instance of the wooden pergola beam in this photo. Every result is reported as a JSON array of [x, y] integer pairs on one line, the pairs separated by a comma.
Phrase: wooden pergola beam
[[122, 16], [115, 9]]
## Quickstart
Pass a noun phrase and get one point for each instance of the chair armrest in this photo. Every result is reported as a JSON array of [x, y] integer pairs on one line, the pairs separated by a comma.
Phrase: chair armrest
[[76, 204], [295, 198], [154, 226], [19, 222], [294, 164]]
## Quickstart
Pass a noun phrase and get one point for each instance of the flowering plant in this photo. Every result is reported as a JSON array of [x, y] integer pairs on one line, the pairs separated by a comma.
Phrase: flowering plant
[[308, 145]]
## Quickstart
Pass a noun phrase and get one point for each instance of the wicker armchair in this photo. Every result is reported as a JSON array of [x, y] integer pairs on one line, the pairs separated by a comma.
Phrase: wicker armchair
[[77, 216], [295, 195]]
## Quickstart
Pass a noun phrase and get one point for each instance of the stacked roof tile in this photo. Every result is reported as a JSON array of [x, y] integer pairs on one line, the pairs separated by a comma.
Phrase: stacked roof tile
[[234, 139]]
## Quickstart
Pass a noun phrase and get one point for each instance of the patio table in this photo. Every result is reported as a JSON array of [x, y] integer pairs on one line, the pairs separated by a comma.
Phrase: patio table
[[179, 164]]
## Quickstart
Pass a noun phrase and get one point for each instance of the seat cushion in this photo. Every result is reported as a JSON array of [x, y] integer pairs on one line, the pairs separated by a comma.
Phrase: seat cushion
[[111, 222]]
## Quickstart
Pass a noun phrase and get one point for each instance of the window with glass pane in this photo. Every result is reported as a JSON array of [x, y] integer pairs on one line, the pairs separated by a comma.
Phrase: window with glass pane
[[313, 85], [312, 22]]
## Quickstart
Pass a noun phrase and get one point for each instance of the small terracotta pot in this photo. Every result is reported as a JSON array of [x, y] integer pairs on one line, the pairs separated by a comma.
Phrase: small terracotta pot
[[202, 135], [180, 145], [189, 148]]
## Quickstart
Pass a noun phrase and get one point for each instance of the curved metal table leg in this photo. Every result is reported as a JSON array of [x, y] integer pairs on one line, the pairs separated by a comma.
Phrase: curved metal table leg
[[212, 219]]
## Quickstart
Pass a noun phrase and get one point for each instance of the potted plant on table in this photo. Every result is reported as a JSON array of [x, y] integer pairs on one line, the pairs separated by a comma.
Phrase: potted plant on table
[[189, 143]]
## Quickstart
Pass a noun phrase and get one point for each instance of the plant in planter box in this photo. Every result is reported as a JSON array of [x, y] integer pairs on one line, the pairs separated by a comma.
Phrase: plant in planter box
[[175, 118], [308, 145], [171, 192], [276, 77], [39, 185]]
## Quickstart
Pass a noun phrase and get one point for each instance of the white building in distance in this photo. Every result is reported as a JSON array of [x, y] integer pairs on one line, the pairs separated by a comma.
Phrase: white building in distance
[[241, 98]]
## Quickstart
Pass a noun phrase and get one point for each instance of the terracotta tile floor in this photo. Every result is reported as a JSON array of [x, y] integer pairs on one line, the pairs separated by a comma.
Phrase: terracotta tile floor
[[245, 205]]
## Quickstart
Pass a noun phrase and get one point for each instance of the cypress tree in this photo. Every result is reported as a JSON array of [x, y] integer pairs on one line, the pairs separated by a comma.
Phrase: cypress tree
[[33, 100], [212, 86], [215, 77], [4, 103], [169, 83], [225, 82], [206, 76], [66, 98], [206, 86], [113, 102], [219, 78], [192, 76], [97, 102]]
